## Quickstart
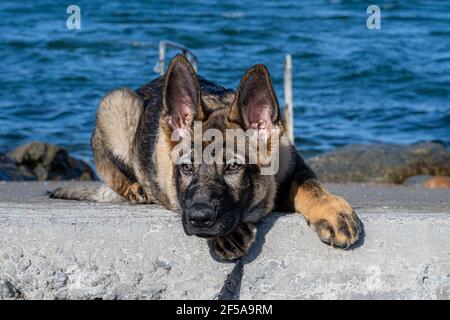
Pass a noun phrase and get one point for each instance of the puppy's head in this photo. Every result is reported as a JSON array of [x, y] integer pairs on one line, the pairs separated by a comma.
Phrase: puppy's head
[[219, 177]]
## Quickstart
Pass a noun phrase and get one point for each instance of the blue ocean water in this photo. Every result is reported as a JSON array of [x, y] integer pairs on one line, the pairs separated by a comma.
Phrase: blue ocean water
[[351, 84]]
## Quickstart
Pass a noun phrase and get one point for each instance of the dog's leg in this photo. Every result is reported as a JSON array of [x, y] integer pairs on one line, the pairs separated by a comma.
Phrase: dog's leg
[[235, 245], [113, 144], [330, 216], [115, 178], [117, 120], [98, 193]]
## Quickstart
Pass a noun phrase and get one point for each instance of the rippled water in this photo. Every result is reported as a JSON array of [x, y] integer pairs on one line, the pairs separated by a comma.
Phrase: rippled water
[[351, 84]]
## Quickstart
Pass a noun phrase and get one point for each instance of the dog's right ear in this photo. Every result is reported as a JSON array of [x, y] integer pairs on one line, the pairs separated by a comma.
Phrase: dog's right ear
[[256, 104], [182, 96]]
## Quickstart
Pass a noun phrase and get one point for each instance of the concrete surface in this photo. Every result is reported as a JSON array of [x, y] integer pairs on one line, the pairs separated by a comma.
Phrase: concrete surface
[[78, 250]]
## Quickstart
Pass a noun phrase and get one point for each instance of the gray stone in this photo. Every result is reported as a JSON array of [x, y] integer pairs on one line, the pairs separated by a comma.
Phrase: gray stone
[[7, 290], [382, 163], [56, 249], [42, 161], [9, 170], [417, 181]]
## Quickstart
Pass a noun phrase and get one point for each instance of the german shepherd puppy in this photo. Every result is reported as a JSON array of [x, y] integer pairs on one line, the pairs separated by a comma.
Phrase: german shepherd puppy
[[132, 145]]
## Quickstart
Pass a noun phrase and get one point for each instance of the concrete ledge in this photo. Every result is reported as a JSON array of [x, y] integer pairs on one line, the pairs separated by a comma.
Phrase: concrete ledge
[[75, 250]]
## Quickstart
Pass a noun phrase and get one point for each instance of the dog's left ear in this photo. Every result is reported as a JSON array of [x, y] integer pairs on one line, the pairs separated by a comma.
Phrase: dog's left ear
[[256, 105]]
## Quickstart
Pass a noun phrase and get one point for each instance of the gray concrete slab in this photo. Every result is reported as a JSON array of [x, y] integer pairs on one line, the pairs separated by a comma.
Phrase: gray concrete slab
[[71, 250]]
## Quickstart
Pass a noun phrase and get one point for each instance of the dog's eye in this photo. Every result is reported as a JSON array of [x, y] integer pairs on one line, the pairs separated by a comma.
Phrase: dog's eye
[[187, 168], [232, 167]]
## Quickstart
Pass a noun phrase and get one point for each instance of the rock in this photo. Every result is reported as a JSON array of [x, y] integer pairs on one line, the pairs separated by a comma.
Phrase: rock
[[8, 291], [417, 181], [383, 163], [438, 182], [427, 181], [42, 161], [9, 170]]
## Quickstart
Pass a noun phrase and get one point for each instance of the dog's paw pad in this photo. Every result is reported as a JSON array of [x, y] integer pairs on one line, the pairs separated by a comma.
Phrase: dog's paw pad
[[338, 230], [336, 223], [135, 194]]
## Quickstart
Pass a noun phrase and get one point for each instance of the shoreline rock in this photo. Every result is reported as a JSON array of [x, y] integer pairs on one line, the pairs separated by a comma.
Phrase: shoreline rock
[[430, 182], [43, 161], [382, 163], [378, 163]]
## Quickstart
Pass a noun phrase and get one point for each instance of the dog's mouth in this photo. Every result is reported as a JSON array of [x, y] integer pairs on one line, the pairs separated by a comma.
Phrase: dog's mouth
[[208, 232], [205, 235], [219, 229]]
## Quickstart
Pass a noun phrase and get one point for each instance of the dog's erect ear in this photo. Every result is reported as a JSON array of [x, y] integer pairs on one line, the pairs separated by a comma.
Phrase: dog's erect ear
[[182, 97], [256, 105]]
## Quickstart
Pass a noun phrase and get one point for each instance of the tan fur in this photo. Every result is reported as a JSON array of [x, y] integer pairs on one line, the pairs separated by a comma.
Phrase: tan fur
[[135, 193], [117, 119], [109, 173], [164, 166], [330, 216]]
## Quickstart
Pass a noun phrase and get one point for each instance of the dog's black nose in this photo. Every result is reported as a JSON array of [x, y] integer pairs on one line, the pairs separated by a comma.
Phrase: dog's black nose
[[201, 215]]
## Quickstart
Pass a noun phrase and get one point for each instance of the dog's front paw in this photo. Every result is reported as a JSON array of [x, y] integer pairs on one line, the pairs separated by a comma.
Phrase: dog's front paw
[[235, 245], [335, 222], [135, 194]]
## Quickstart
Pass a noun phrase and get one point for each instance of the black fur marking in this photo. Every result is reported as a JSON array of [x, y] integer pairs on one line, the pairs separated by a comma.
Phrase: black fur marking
[[324, 224], [344, 225], [125, 169]]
